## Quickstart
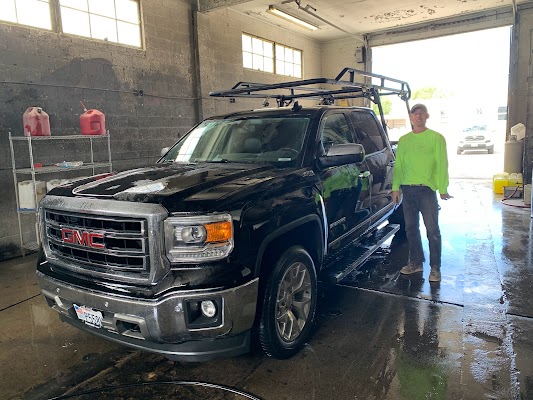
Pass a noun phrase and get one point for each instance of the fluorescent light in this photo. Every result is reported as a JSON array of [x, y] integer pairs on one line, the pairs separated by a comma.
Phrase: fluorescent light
[[288, 17]]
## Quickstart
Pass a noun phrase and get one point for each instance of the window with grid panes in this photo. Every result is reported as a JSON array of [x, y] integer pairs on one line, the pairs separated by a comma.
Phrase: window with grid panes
[[34, 13], [288, 61], [257, 53], [115, 21], [264, 55]]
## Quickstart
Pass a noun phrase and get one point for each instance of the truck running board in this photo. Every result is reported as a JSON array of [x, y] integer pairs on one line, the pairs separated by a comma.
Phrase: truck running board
[[356, 254]]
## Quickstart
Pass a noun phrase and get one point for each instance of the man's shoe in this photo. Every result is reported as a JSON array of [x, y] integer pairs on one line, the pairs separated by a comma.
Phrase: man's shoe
[[434, 275], [411, 269]]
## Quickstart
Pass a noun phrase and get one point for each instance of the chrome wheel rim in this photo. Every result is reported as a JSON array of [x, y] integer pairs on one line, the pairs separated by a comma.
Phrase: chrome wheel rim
[[293, 303]]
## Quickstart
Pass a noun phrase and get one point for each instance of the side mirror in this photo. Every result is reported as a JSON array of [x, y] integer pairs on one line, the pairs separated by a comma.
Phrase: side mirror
[[164, 151], [342, 154]]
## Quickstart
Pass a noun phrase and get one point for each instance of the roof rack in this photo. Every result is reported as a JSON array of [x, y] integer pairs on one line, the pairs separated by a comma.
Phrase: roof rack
[[346, 88], [350, 88]]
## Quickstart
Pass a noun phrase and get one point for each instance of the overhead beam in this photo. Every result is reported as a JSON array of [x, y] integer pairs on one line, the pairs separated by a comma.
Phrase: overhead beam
[[461, 24], [210, 5]]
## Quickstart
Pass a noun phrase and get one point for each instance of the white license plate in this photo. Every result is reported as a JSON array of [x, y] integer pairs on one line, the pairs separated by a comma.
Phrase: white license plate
[[89, 316], [473, 145]]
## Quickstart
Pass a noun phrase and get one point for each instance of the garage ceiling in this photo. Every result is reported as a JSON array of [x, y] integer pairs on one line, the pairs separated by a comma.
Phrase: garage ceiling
[[339, 19]]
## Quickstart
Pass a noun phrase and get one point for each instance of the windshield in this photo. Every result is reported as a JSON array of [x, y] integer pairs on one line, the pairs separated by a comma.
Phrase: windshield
[[271, 139], [475, 128]]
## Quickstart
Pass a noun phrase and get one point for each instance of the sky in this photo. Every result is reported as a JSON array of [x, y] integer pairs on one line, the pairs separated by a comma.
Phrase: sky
[[471, 68]]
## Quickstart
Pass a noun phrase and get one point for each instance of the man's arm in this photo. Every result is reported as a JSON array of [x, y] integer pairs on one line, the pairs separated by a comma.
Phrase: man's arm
[[442, 168], [398, 168]]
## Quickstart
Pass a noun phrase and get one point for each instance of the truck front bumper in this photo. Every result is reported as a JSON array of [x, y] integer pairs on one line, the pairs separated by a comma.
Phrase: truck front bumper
[[171, 325]]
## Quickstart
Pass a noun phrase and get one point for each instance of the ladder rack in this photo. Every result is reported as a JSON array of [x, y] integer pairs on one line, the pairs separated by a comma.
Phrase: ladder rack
[[345, 83]]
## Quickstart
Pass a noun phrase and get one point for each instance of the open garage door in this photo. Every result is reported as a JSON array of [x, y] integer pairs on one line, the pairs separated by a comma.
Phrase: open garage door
[[463, 79]]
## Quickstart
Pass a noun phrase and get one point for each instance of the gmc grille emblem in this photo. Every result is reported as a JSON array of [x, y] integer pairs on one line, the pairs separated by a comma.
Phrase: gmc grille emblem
[[83, 238]]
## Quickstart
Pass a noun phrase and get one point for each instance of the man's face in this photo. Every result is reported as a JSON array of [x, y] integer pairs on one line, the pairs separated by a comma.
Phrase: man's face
[[419, 118]]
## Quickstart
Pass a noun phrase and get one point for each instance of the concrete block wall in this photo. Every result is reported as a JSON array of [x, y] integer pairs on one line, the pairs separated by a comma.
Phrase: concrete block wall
[[338, 54], [220, 57], [56, 71]]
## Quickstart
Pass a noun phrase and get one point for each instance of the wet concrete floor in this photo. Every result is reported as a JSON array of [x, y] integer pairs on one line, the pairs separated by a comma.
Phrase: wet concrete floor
[[379, 335]]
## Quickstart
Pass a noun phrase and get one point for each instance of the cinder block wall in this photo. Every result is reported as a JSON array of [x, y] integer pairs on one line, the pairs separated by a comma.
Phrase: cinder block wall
[[56, 71], [220, 57], [338, 54]]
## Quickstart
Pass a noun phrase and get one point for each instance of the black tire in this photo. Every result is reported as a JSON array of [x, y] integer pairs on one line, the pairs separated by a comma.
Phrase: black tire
[[459, 151], [490, 150], [289, 304]]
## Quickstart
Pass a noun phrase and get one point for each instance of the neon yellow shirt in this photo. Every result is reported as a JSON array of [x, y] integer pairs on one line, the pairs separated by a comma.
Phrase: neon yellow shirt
[[421, 159]]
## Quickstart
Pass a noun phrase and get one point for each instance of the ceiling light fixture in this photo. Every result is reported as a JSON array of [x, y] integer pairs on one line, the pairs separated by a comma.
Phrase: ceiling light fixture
[[293, 19]]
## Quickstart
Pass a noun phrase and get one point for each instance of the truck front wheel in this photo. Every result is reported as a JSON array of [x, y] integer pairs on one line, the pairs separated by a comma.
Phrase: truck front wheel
[[289, 304]]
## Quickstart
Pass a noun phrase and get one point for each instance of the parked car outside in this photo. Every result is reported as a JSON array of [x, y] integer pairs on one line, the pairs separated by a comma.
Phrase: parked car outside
[[476, 137]]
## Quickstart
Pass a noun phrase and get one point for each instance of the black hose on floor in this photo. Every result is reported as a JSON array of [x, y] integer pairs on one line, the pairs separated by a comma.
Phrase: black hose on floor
[[508, 202], [143, 384]]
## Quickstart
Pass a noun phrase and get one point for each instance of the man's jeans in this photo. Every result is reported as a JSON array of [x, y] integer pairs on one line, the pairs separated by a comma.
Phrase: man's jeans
[[422, 200]]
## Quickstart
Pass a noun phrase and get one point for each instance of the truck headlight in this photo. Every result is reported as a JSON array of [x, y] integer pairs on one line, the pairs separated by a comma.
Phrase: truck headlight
[[198, 238]]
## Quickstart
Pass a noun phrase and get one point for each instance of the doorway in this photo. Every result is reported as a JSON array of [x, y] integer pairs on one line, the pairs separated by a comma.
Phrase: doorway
[[463, 80]]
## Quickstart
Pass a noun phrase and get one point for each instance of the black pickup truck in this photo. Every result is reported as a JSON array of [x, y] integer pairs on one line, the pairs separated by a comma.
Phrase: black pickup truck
[[228, 235]]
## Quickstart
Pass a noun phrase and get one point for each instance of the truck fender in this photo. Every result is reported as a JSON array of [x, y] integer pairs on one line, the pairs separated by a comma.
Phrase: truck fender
[[271, 237]]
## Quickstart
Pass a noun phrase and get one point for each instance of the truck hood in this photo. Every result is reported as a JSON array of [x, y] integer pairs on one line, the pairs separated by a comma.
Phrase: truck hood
[[172, 185]]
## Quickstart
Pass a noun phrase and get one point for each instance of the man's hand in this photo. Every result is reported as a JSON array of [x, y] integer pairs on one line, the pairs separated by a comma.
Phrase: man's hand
[[396, 196], [443, 196]]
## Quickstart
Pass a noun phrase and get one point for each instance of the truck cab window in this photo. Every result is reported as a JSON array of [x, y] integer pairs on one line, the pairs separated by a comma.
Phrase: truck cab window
[[368, 132], [335, 130]]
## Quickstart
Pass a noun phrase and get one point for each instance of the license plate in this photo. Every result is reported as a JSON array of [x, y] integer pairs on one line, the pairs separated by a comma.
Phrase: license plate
[[473, 145], [89, 316]]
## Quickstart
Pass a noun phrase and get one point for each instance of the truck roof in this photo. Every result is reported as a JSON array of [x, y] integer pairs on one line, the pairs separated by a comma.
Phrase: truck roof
[[310, 111]]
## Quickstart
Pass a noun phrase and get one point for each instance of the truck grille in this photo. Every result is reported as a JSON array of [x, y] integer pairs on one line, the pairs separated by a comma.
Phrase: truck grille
[[474, 138], [103, 243]]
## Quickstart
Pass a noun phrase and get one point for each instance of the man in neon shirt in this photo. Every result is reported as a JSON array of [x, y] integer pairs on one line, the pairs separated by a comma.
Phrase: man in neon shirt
[[421, 169]]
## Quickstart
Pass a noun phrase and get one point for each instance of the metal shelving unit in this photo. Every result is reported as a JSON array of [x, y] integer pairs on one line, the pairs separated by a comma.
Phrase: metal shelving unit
[[33, 171]]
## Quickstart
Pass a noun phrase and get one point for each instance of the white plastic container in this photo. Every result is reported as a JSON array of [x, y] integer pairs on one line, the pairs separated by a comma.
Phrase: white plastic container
[[515, 178], [519, 130], [26, 195]]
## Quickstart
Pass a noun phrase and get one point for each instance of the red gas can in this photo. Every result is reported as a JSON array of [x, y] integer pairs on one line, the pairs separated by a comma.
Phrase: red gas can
[[92, 122], [36, 122]]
